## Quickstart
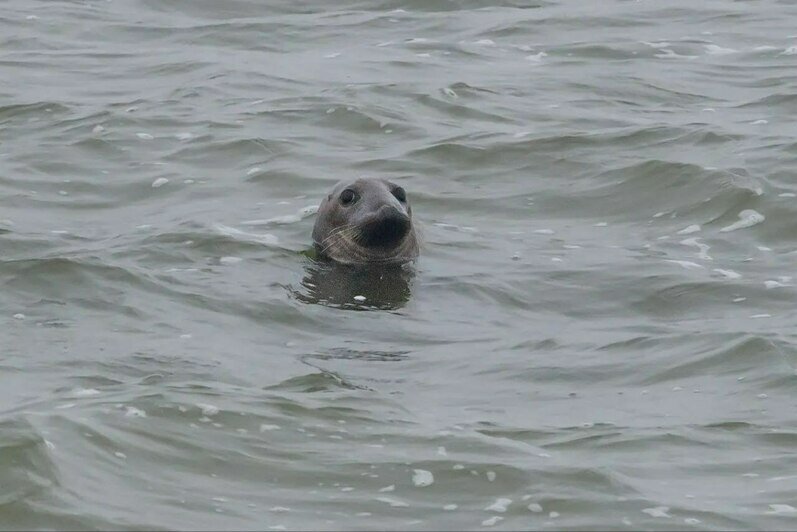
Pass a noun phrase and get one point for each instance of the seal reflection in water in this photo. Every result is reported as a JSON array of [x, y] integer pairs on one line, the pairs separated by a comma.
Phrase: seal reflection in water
[[364, 236]]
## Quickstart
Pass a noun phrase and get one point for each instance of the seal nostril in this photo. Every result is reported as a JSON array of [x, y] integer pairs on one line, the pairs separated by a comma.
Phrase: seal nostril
[[386, 229]]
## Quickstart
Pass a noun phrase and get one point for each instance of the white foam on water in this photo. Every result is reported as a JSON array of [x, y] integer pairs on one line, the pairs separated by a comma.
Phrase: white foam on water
[[536, 58], [19, 316], [686, 264], [386, 43], [730, 274], [85, 392], [713, 49], [253, 171], [778, 479], [791, 50], [773, 284], [278, 220], [492, 521], [658, 511], [285, 219], [787, 195], [442, 451], [450, 507], [553, 515], [184, 136], [765, 48], [208, 410], [739, 299], [657, 45], [500, 505], [760, 316], [666, 53], [689, 230], [131, 411], [450, 93], [485, 42], [359, 298], [266, 239], [782, 509], [535, 508], [491, 476], [763, 248], [544, 231], [144, 136], [230, 260], [159, 182], [691, 521], [758, 123], [422, 478], [600, 224], [387, 489], [458, 467], [703, 248], [50, 445], [279, 509], [98, 129], [395, 503], [333, 55], [709, 110], [747, 218], [347, 489]]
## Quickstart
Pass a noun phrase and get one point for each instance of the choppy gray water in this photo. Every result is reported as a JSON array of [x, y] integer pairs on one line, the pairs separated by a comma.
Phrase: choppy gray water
[[600, 332]]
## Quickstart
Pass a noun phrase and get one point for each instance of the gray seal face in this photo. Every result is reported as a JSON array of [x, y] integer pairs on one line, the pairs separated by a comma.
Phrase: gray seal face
[[366, 221]]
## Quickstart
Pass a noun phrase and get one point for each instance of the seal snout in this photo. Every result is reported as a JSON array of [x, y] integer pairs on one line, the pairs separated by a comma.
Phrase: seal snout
[[385, 228]]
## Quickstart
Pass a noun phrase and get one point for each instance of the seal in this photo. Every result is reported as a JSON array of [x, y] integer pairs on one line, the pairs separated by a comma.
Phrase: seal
[[366, 221]]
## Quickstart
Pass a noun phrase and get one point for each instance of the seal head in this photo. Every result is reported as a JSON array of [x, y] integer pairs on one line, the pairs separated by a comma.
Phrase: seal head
[[366, 221]]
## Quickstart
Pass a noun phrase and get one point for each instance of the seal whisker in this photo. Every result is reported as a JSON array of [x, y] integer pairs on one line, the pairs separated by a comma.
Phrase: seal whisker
[[335, 232]]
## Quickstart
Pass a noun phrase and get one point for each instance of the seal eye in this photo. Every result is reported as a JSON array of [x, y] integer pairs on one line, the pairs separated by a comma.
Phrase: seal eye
[[347, 196], [400, 194]]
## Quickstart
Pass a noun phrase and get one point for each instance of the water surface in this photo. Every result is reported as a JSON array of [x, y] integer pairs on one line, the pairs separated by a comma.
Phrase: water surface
[[599, 333]]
